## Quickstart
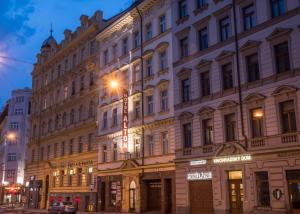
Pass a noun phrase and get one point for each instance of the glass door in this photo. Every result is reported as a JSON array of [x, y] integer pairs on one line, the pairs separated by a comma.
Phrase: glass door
[[236, 192], [293, 177]]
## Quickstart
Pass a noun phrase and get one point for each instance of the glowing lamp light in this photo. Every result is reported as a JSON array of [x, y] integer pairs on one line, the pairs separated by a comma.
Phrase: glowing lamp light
[[5, 183], [257, 113], [90, 169], [114, 84], [11, 136]]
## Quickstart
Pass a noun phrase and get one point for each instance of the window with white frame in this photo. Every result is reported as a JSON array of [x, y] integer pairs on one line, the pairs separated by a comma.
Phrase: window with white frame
[[14, 125], [148, 32], [12, 156], [162, 24], [164, 100], [150, 104], [149, 70], [18, 111], [163, 60], [150, 145]]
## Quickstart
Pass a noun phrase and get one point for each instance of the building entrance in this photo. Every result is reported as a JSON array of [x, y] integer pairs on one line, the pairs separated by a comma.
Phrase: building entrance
[[201, 197], [236, 191], [154, 195], [293, 178]]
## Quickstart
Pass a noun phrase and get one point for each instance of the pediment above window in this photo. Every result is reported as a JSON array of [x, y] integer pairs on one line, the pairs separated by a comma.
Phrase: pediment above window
[[224, 54], [184, 72], [129, 164], [206, 111], [279, 32], [185, 115], [162, 46], [148, 53], [227, 104], [250, 44], [135, 59], [163, 83], [254, 97], [284, 89], [204, 63]]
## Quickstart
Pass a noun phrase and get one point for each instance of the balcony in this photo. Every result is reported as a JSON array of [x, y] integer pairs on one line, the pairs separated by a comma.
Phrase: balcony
[[275, 141], [281, 141]]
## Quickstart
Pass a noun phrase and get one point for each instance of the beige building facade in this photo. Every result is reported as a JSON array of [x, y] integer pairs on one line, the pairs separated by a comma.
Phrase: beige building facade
[[237, 106], [141, 178], [62, 160]]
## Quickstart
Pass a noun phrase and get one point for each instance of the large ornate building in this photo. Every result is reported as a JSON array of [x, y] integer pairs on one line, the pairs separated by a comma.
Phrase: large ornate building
[[236, 75], [62, 151], [137, 176]]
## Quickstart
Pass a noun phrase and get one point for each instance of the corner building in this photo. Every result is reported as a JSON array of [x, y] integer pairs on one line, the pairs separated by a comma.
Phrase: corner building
[[236, 106], [142, 178], [62, 159]]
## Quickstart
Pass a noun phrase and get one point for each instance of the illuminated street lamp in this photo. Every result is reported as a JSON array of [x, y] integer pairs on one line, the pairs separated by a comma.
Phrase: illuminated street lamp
[[11, 136]]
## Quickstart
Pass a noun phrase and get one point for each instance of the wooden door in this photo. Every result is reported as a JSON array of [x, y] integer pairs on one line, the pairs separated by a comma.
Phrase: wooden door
[[154, 196], [201, 197], [236, 196]]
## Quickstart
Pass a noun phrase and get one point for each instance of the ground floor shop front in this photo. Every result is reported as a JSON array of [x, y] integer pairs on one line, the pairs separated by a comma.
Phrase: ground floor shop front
[[239, 183], [137, 192]]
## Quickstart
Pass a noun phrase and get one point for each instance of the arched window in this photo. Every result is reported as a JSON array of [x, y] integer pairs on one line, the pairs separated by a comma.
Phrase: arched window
[[72, 116], [132, 195]]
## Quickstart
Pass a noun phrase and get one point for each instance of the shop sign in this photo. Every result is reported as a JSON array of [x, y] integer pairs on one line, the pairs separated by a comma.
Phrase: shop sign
[[79, 163], [233, 158], [277, 193], [199, 176], [125, 123], [198, 162]]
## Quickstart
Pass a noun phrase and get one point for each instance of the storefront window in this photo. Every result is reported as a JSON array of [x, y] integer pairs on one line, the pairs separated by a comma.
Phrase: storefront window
[[113, 193], [293, 178], [262, 188]]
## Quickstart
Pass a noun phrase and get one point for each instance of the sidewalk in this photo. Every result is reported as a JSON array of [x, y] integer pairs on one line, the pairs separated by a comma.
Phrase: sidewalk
[[27, 211]]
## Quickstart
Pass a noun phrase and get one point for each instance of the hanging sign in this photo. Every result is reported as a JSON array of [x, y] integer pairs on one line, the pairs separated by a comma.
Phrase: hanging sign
[[125, 122]]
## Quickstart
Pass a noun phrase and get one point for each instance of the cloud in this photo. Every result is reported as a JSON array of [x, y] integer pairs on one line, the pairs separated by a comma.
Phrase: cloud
[[14, 15]]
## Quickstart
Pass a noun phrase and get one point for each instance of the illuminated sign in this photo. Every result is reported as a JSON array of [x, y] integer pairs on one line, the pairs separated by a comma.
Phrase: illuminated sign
[[198, 162], [125, 122], [199, 176], [234, 158]]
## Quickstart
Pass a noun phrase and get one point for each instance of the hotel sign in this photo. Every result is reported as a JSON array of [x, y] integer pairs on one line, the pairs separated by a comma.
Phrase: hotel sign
[[125, 122], [199, 176], [233, 158]]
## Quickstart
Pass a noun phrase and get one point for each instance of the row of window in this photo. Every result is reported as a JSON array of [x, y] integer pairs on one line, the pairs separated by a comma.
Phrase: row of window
[[256, 115], [149, 148], [149, 110], [277, 8], [59, 95], [148, 34], [70, 177], [224, 25], [61, 149], [60, 120], [252, 68], [67, 65]]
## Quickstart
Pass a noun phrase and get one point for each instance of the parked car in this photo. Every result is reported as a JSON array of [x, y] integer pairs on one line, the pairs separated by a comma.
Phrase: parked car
[[62, 207]]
